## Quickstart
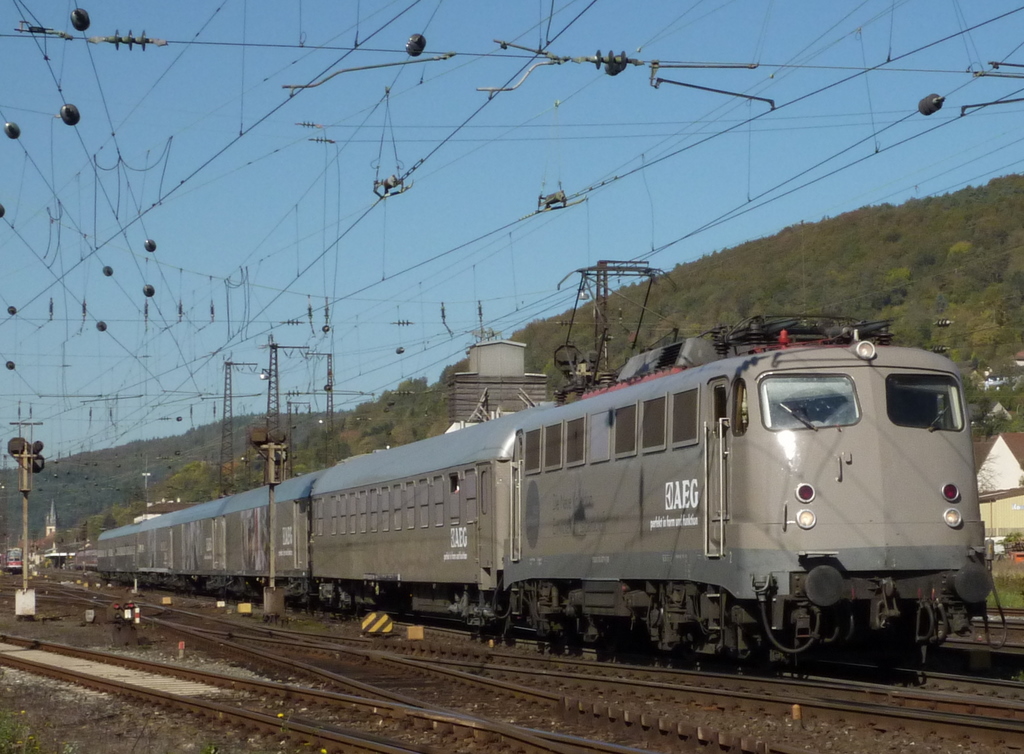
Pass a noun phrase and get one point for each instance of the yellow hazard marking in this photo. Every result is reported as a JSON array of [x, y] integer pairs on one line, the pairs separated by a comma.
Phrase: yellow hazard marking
[[378, 623]]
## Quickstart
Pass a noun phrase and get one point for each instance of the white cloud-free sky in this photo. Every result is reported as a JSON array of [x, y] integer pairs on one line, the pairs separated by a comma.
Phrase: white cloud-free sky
[[265, 226]]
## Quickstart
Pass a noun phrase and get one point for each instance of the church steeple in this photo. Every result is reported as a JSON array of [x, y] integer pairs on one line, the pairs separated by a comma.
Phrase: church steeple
[[51, 520]]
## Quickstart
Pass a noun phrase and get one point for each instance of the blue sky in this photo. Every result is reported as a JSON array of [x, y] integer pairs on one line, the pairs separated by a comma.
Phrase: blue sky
[[267, 227]]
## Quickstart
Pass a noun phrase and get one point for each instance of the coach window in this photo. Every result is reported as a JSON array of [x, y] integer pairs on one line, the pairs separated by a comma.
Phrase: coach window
[[318, 509], [531, 463], [600, 436], [453, 496], [684, 418], [553, 447], [333, 511], [352, 511], [385, 509], [437, 497], [469, 496], [374, 509], [653, 427], [740, 408], [625, 431], [423, 502], [362, 511], [575, 442], [397, 505]]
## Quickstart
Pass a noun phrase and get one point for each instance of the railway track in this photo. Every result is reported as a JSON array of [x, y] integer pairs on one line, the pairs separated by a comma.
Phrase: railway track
[[630, 702], [617, 695]]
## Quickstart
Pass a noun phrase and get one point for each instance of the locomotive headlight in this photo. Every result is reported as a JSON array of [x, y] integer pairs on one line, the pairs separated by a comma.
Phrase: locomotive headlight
[[952, 518], [864, 349], [805, 519]]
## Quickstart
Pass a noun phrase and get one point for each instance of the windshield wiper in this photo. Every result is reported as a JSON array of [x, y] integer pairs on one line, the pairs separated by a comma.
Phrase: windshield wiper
[[802, 419], [934, 424]]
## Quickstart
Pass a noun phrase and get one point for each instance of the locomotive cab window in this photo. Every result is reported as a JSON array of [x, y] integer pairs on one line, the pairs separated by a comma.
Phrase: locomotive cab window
[[808, 401], [740, 408], [926, 401]]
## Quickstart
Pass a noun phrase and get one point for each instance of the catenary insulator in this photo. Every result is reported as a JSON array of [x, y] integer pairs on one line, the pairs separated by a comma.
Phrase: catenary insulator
[[399, 350], [2, 210], [148, 290], [416, 45], [70, 115], [108, 270], [101, 326], [326, 328], [10, 365], [150, 244], [80, 19], [12, 310], [615, 65], [12, 130], [930, 104]]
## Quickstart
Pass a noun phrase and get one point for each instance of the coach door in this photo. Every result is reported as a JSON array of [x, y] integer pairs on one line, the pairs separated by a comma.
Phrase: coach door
[[716, 467]]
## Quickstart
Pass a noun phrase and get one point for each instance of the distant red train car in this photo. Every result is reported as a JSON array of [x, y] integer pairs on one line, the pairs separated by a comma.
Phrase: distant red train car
[[12, 562]]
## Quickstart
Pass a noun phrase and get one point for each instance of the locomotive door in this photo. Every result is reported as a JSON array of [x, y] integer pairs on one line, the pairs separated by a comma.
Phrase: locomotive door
[[716, 468], [516, 512]]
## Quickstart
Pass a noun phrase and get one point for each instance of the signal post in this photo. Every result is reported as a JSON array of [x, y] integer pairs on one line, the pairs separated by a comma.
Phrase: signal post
[[270, 443], [30, 461]]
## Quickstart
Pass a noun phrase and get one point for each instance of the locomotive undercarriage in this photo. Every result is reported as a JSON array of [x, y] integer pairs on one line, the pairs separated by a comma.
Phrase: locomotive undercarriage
[[821, 608]]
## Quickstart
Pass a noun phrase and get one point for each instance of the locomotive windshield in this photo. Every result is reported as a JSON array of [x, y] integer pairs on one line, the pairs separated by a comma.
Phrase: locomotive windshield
[[808, 401], [927, 401]]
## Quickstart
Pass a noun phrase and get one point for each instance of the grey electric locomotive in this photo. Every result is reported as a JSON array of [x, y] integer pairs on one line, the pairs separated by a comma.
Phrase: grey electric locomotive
[[782, 498]]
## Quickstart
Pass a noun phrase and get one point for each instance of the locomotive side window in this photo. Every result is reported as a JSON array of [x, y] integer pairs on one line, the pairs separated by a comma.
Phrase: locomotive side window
[[625, 431], [652, 431], [553, 447], [684, 418], [600, 436], [531, 459], [808, 401], [385, 509], [574, 441], [926, 401]]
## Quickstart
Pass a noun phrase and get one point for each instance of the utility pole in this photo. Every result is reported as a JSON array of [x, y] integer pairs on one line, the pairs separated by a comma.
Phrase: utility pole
[[273, 388], [328, 387], [227, 428], [290, 467], [272, 447], [30, 460]]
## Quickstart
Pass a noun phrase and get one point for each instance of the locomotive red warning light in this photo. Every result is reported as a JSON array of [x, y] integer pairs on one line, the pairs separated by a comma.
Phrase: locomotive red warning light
[[951, 492], [805, 493]]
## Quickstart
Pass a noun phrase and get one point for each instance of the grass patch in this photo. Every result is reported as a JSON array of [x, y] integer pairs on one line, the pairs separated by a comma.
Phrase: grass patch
[[15, 735], [1009, 580]]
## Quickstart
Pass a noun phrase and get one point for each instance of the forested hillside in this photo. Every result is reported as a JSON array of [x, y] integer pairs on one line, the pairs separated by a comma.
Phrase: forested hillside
[[958, 257]]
